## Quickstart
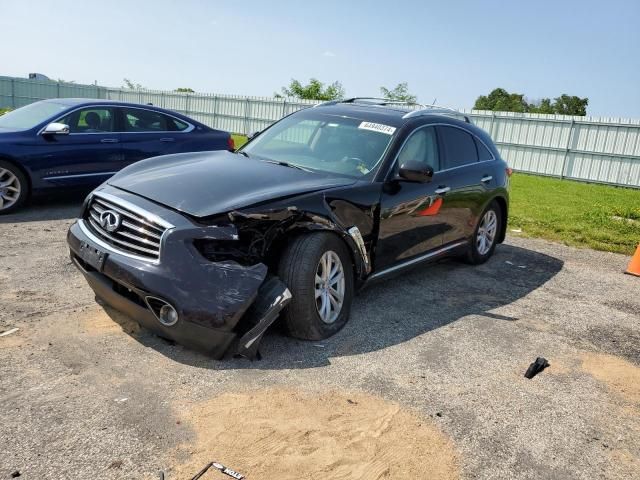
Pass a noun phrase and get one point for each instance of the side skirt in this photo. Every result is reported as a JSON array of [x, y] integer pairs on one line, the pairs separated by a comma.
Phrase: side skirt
[[427, 257]]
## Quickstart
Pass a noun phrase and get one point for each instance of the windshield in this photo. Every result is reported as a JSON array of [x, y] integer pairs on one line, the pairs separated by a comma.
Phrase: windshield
[[327, 143], [31, 115]]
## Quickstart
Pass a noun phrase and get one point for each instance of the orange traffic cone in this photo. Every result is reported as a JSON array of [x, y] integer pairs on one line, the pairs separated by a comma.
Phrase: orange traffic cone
[[634, 264]]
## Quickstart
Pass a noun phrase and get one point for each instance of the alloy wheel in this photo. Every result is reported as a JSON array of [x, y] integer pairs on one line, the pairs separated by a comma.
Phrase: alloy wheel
[[329, 286], [9, 188], [487, 232]]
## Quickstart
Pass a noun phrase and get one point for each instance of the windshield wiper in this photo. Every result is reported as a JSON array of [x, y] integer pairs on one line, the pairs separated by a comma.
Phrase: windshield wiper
[[242, 152], [286, 164]]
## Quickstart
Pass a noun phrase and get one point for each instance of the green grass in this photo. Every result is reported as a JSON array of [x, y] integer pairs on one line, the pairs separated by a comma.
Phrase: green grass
[[574, 213]]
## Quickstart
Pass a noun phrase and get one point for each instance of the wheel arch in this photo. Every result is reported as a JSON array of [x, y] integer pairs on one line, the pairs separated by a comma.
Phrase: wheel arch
[[22, 169], [279, 243], [504, 210]]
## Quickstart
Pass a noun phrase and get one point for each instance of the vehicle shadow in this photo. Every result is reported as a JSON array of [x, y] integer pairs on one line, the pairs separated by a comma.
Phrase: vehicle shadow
[[61, 206], [394, 311]]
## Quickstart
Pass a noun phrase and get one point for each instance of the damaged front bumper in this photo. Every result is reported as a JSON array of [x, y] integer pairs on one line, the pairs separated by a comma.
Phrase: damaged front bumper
[[214, 301]]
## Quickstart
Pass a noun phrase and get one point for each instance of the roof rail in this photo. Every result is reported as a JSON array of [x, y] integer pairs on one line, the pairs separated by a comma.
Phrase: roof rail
[[425, 109], [368, 101], [436, 110]]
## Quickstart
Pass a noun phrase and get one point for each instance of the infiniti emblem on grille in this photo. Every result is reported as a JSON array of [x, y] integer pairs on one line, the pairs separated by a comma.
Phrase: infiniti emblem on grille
[[110, 220]]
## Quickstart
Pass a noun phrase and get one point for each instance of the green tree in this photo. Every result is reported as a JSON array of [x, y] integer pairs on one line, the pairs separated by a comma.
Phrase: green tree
[[184, 90], [132, 86], [500, 100], [543, 106], [314, 90], [399, 94], [570, 105]]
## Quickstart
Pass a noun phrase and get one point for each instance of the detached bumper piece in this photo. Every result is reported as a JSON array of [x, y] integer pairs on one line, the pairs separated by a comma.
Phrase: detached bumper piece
[[273, 296]]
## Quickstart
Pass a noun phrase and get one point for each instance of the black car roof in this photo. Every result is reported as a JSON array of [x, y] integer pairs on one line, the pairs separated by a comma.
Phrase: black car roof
[[390, 114]]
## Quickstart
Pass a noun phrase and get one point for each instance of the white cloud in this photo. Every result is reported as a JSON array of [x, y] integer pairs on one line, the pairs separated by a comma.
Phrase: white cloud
[[328, 54]]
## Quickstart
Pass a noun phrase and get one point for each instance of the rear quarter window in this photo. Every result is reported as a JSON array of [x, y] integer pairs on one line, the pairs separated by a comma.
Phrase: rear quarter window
[[459, 147], [483, 152]]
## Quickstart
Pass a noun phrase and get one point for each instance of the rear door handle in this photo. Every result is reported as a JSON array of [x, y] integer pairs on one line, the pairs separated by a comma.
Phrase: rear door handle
[[167, 139], [442, 190], [486, 179], [109, 140]]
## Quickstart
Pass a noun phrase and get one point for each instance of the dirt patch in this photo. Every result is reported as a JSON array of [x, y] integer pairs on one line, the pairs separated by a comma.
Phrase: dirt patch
[[620, 341], [292, 435], [97, 322], [619, 375]]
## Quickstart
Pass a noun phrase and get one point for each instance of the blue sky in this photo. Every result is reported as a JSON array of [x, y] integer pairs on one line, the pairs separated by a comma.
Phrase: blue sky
[[452, 51]]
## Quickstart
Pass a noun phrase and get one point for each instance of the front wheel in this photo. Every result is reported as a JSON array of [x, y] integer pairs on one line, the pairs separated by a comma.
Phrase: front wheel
[[14, 188], [486, 233], [317, 269]]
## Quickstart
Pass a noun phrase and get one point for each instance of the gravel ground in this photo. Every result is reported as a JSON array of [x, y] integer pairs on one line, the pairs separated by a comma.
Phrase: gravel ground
[[84, 393]]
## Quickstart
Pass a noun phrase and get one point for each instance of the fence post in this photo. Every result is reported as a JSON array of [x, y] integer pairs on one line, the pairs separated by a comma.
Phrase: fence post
[[13, 93], [568, 149], [215, 111], [284, 107], [493, 119], [246, 116]]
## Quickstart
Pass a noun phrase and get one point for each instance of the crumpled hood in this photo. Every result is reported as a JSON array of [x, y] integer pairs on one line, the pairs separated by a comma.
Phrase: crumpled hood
[[208, 183]]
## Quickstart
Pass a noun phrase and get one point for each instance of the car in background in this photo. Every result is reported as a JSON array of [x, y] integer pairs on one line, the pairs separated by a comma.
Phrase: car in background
[[61, 143], [209, 252]]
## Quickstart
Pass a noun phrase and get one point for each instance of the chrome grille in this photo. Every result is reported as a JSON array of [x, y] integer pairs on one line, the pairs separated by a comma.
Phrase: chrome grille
[[136, 233]]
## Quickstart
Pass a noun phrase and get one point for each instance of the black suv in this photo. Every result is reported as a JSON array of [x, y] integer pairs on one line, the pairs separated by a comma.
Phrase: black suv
[[209, 248]]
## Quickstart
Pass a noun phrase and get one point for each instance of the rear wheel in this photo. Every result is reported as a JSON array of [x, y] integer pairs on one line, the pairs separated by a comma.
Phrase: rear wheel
[[317, 270], [14, 188], [486, 234]]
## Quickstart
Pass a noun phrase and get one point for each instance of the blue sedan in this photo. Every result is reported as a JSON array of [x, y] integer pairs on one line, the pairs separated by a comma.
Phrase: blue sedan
[[62, 143]]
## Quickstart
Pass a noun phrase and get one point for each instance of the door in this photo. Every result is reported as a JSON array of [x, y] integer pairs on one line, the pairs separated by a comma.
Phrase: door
[[462, 176], [88, 155], [147, 133], [411, 220]]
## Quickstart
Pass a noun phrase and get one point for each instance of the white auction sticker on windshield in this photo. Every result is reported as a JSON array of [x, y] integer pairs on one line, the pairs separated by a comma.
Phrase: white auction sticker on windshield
[[377, 127]]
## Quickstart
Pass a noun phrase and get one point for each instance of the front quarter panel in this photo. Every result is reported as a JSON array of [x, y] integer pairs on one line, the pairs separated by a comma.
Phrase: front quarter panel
[[335, 210]]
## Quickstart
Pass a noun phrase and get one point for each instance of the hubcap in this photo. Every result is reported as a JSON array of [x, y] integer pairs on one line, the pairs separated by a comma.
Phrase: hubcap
[[487, 232], [9, 188], [329, 287]]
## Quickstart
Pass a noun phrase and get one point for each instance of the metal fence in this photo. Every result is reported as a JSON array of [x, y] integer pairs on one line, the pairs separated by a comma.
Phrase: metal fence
[[604, 150]]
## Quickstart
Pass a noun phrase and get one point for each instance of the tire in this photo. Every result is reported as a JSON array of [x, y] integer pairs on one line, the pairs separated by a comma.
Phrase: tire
[[298, 267], [480, 252], [14, 187]]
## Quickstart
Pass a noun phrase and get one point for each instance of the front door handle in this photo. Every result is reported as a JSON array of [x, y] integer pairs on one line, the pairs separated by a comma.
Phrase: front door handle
[[109, 140], [442, 190], [486, 179], [167, 139]]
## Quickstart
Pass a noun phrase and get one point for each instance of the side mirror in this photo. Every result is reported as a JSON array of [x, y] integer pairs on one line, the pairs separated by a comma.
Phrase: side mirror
[[413, 171], [56, 129]]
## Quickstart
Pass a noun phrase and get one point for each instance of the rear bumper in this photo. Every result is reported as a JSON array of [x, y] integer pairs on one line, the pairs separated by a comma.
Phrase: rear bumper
[[210, 297]]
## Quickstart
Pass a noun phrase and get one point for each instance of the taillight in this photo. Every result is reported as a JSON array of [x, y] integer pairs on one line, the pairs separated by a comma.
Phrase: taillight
[[232, 144], [509, 171]]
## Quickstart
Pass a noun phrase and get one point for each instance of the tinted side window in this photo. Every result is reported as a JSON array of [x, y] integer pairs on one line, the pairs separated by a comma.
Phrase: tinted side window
[[178, 125], [460, 148], [421, 146], [90, 120], [483, 152], [139, 120]]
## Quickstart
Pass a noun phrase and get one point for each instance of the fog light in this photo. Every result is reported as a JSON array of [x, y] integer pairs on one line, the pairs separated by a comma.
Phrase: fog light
[[168, 315]]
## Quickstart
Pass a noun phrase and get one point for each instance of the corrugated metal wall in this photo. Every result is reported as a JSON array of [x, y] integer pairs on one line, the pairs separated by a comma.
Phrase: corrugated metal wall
[[592, 149]]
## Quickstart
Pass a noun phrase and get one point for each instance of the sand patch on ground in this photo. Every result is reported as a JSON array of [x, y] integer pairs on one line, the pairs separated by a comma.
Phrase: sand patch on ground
[[97, 322], [618, 375], [281, 434]]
